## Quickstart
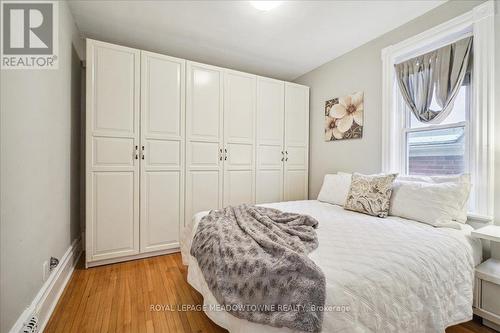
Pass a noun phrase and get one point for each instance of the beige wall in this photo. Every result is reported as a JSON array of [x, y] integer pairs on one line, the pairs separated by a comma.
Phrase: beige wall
[[40, 134], [361, 70]]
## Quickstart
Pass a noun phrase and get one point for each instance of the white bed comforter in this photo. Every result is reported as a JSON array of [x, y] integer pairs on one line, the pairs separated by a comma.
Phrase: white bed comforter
[[382, 275]]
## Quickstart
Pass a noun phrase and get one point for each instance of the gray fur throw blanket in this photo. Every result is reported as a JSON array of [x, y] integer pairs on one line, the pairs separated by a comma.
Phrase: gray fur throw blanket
[[254, 260]]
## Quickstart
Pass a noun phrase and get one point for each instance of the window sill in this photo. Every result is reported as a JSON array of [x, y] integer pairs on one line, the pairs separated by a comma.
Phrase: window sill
[[476, 218]]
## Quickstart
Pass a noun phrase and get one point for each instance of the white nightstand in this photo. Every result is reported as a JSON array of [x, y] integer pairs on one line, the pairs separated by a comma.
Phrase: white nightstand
[[487, 288]]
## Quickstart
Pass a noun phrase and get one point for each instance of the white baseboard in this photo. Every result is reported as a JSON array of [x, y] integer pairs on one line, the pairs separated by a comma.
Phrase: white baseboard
[[132, 257], [46, 299], [491, 324]]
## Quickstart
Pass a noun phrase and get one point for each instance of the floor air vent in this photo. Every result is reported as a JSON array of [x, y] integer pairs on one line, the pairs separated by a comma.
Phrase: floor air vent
[[31, 326]]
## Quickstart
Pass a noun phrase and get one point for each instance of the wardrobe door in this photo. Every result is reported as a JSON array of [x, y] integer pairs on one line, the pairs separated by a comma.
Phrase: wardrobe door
[[239, 138], [270, 152], [161, 151], [296, 141], [112, 134], [204, 151]]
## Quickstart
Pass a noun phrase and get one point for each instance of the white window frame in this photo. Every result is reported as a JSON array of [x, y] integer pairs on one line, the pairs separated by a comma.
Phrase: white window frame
[[479, 23]]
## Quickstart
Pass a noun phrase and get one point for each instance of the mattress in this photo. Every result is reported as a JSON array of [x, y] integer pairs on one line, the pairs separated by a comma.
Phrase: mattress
[[382, 275]]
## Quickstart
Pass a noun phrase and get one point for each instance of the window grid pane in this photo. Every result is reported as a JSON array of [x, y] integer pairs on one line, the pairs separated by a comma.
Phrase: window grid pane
[[436, 151]]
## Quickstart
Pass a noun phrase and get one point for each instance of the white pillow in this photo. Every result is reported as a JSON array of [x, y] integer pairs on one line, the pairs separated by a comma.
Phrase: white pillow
[[464, 178], [436, 204], [335, 188]]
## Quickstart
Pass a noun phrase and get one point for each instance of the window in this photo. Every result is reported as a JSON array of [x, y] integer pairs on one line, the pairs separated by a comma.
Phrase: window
[[439, 149], [464, 140]]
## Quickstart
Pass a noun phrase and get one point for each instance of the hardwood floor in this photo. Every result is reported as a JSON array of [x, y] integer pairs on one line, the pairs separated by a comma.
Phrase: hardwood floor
[[473, 326], [119, 297]]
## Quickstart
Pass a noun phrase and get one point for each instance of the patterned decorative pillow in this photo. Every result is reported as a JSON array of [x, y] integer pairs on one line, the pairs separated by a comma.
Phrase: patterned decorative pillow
[[370, 194]]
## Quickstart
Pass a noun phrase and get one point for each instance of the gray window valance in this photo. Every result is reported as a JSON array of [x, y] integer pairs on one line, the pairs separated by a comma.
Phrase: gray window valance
[[440, 74]]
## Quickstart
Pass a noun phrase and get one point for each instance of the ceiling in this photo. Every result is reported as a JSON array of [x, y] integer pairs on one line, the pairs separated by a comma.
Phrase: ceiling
[[284, 43]]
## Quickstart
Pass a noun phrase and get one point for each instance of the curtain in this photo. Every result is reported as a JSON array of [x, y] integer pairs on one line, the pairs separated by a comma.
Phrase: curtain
[[438, 74]]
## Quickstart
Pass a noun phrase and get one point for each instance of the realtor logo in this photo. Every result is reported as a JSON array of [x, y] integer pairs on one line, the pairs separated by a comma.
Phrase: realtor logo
[[29, 35]]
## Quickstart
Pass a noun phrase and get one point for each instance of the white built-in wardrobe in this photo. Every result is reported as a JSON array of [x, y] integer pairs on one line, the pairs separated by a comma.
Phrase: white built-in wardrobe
[[167, 138]]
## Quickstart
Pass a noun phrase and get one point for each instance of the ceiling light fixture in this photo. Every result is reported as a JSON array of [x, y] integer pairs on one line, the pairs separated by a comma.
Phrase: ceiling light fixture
[[265, 5]]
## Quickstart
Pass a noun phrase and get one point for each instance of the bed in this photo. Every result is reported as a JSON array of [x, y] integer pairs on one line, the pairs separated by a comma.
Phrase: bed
[[382, 275]]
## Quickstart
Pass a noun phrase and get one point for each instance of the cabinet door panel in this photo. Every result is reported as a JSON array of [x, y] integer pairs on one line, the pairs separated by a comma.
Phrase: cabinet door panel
[[114, 218], [239, 156], [270, 136], [295, 185], [296, 158], [204, 138], [270, 186], [296, 115], [162, 210], [296, 141], [204, 155], [114, 89], [239, 107], [112, 152], [162, 151], [163, 86], [204, 190], [270, 104], [239, 138], [490, 300], [204, 121], [112, 133], [270, 157], [238, 186]]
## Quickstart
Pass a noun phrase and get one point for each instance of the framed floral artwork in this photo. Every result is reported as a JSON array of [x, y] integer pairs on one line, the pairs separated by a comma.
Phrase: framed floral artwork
[[344, 117]]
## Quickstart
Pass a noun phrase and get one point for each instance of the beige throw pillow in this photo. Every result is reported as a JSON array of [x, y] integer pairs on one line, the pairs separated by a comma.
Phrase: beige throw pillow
[[370, 194]]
